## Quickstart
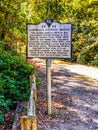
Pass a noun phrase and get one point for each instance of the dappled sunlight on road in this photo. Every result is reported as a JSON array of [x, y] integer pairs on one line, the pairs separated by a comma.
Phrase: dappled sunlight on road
[[74, 98]]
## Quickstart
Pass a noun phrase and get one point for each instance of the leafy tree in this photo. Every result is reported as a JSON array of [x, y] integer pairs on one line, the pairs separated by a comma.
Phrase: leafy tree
[[81, 13], [13, 18]]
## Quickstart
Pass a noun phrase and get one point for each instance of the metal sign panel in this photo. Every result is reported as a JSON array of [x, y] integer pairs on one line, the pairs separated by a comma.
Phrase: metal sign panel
[[49, 40]]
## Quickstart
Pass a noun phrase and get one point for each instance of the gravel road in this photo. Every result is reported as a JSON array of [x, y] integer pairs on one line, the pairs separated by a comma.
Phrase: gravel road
[[74, 97], [88, 71]]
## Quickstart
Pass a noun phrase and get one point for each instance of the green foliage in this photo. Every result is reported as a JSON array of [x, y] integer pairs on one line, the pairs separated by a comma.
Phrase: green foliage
[[1, 117], [89, 54], [4, 106], [38, 81], [53, 115], [85, 31], [14, 80], [15, 73]]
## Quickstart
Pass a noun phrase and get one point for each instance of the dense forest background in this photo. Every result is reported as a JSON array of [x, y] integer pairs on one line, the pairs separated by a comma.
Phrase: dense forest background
[[14, 15], [83, 14]]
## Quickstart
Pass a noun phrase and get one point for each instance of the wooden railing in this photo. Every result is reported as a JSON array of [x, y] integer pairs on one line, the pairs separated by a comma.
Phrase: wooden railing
[[29, 120], [32, 101]]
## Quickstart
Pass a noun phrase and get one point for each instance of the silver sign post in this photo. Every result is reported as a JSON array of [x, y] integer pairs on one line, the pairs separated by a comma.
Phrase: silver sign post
[[48, 71]]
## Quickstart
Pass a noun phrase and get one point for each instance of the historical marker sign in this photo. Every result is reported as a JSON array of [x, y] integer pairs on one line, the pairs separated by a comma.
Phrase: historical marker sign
[[49, 40]]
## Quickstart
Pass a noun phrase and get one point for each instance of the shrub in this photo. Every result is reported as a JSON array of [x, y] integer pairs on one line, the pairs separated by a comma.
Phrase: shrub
[[4, 106], [89, 54], [95, 61], [14, 80]]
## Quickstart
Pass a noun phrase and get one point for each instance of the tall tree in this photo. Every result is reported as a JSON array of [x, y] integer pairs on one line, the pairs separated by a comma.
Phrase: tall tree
[[83, 14]]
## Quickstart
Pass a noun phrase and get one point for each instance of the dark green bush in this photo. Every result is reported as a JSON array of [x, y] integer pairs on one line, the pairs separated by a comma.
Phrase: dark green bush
[[14, 80], [4, 106]]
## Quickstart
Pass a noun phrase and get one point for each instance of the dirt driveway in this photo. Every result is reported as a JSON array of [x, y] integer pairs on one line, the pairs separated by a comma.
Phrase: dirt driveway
[[74, 100]]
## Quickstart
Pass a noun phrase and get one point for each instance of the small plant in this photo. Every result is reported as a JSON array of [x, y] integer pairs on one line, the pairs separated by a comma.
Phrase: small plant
[[53, 115], [4, 106], [38, 81]]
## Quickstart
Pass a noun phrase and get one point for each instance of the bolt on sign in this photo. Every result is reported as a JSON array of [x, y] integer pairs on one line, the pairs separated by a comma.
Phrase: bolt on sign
[[49, 39]]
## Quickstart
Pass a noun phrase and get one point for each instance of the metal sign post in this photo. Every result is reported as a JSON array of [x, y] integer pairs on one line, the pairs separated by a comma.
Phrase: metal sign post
[[48, 71]]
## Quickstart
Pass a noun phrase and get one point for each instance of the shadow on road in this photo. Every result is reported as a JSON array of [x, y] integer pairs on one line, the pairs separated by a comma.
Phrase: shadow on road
[[74, 101]]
